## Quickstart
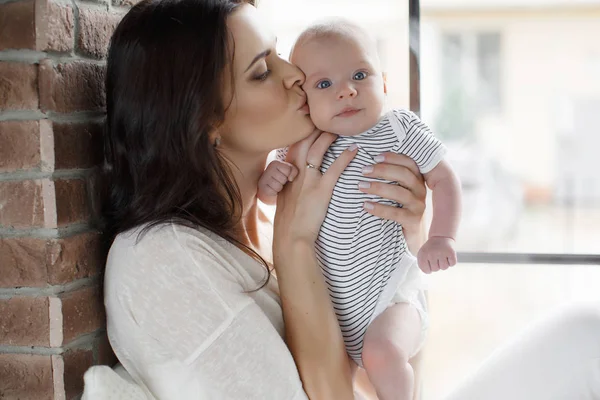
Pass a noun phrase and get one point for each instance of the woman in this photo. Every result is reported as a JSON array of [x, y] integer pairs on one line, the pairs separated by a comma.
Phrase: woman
[[197, 97]]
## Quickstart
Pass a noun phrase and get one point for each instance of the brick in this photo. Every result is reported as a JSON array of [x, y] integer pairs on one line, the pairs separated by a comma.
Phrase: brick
[[24, 322], [76, 362], [46, 146], [17, 28], [35, 262], [83, 313], [23, 262], [60, 31], [95, 29], [76, 257], [106, 355], [21, 204], [26, 377], [70, 87], [77, 145], [72, 203], [19, 145], [96, 189], [18, 86]]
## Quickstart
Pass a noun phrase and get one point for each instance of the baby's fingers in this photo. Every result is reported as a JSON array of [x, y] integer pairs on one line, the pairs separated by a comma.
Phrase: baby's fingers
[[293, 173], [434, 263], [452, 259], [285, 171], [423, 262], [443, 263]]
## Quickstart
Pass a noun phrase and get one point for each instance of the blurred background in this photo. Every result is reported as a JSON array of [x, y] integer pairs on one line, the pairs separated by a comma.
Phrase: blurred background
[[513, 90]]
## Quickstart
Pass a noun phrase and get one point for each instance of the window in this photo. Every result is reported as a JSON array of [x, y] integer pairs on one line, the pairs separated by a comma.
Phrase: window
[[513, 93], [470, 82], [513, 90]]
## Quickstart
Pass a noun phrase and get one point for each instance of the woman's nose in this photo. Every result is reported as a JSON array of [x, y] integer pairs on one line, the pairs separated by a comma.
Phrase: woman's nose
[[293, 75], [346, 92]]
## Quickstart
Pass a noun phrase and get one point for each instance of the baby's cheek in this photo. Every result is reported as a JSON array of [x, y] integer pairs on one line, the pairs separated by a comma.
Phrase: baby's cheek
[[320, 114]]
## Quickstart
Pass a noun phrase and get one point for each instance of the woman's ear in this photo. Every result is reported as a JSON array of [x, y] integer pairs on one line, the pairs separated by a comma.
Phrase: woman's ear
[[214, 137], [384, 76]]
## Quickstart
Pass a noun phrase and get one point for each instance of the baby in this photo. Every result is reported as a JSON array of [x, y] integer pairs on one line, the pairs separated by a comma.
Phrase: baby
[[374, 281]]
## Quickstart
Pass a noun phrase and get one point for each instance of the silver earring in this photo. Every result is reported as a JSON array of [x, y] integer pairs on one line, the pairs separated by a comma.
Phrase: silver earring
[[217, 142]]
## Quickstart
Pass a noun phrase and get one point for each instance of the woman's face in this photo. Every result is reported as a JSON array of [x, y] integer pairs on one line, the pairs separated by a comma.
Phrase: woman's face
[[268, 107]]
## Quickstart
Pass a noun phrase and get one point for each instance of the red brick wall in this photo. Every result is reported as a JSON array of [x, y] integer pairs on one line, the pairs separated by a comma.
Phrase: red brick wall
[[52, 323]]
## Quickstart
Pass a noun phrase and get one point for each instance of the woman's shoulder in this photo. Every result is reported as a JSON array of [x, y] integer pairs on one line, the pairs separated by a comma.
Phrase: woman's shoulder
[[170, 252], [164, 242], [160, 237]]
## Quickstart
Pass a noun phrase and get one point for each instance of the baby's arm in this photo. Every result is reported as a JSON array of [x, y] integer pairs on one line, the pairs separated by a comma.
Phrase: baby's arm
[[271, 182], [438, 252]]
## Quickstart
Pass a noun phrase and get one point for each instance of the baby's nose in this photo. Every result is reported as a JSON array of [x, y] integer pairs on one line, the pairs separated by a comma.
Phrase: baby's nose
[[347, 92]]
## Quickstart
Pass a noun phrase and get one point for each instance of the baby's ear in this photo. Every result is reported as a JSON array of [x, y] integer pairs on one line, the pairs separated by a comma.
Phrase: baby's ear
[[384, 83]]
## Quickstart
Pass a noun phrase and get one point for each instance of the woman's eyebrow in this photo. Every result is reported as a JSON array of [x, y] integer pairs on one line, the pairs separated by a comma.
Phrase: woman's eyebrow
[[263, 54]]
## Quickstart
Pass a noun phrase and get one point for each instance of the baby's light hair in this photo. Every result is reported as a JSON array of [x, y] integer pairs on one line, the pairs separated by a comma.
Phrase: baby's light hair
[[333, 27]]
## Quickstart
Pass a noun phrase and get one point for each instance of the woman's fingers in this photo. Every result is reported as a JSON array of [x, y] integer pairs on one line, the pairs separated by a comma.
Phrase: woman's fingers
[[400, 160], [297, 152], [403, 196], [401, 174], [391, 213], [319, 147], [339, 165], [388, 191]]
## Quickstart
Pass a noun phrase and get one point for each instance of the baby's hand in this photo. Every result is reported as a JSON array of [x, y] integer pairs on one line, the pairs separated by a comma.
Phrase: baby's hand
[[275, 176], [437, 253]]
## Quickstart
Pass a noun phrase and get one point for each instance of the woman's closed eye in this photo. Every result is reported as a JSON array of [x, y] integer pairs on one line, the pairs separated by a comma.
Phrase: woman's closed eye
[[262, 77]]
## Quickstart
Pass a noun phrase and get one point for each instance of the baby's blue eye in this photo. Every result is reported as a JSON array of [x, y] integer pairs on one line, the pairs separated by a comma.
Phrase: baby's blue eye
[[359, 76], [324, 84]]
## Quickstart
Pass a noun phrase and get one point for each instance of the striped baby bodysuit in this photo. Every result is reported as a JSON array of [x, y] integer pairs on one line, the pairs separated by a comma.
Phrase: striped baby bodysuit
[[365, 259]]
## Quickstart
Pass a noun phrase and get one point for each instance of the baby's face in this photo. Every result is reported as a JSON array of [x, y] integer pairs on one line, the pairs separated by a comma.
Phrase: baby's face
[[344, 83]]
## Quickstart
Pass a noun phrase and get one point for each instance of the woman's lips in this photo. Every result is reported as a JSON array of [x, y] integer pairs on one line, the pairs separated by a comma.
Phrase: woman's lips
[[305, 109], [348, 112]]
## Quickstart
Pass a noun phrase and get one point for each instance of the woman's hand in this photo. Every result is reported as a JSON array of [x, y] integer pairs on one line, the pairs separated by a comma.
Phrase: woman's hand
[[410, 192], [312, 331], [302, 204]]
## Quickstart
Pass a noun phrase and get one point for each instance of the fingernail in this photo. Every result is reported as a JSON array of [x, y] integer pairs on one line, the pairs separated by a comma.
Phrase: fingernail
[[364, 185], [353, 147], [379, 158], [367, 170], [368, 205]]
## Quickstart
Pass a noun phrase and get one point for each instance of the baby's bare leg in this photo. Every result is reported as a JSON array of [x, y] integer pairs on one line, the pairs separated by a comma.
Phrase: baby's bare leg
[[390, 340]]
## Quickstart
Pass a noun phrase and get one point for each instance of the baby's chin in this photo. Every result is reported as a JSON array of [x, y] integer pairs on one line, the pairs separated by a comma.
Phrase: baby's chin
[[349, 126]]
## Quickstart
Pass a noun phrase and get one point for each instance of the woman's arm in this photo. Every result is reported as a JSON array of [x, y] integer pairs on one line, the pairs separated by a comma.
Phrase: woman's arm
[[411, 194], [312, 331]]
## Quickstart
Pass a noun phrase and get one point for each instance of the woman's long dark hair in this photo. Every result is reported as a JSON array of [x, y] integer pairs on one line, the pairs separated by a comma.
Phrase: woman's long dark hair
[[164, 93]]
